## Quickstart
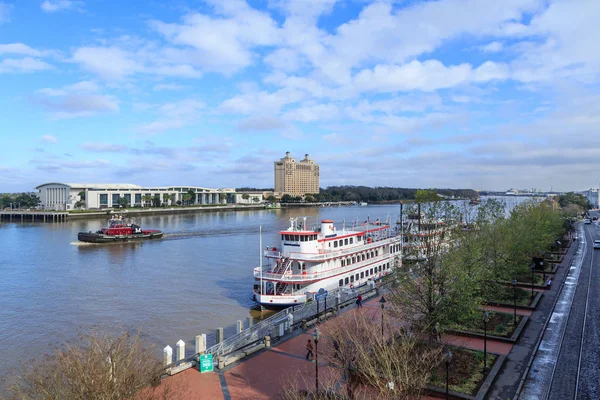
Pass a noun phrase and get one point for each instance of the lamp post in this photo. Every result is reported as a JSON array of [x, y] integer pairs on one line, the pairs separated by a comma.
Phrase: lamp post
[[532, 278], [316, 336], [486, 318], [543, 267], [382, 301], [514, 285], [447, 359]]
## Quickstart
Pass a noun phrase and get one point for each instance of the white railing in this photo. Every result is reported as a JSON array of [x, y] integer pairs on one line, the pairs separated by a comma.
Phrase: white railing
[[320, 275]]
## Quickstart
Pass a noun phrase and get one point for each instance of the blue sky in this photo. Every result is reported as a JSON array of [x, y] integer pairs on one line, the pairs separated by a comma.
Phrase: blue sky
[[448, 93]]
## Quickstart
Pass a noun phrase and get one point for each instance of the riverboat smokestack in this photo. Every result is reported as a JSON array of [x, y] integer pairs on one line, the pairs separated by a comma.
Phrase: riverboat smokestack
[[327, 227]]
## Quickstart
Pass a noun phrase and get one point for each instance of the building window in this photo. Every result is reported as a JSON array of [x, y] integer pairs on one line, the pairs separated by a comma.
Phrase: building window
[[115, 199], [104, 200]]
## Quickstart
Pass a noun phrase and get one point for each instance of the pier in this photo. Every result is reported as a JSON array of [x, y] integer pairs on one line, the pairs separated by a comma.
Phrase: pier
[[33, 216]]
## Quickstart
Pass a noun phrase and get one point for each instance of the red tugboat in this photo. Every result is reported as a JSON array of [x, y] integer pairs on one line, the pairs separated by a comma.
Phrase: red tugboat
[[119, 230]]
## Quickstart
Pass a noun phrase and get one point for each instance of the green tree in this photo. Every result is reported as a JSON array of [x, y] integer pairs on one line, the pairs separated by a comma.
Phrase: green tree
[[574, 198], [186, 198], [156, 200], [123, 202], [81, 195], [166, 198], [192, 195], [309, 198], [223, 197], [272, 199], [147, 198], [286, 198], [245, 196], [255, 199], [79, 204]]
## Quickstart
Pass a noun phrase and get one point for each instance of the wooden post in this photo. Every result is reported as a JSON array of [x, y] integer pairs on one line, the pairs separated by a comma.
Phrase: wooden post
[[180, 350]]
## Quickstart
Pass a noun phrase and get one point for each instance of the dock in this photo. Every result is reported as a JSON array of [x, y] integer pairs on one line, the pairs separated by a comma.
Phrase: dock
[[33, 216]]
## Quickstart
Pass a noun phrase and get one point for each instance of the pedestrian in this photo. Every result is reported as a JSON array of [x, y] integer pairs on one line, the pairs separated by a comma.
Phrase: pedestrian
[[336, 348], [309, 350], [359, 300], [549, 282]]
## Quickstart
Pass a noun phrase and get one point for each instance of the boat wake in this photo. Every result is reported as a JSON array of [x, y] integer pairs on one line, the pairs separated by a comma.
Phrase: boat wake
[[79, 243]]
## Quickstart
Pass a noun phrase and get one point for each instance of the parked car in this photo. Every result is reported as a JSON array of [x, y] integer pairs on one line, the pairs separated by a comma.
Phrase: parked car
[[596, 244], [587, 221], [594, 218]]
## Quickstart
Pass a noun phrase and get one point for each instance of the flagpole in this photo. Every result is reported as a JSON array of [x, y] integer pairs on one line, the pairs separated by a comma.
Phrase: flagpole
[[261, 260]]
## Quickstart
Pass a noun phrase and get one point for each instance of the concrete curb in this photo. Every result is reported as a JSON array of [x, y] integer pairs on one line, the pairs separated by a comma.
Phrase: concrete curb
[[512, 339], [533, 305]]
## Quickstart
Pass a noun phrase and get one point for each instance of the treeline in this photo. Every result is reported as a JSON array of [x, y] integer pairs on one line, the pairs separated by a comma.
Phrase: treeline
[[19, 200], [374, 195]]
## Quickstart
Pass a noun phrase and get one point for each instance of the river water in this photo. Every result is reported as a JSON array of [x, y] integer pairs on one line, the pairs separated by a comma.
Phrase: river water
[[197, 278]]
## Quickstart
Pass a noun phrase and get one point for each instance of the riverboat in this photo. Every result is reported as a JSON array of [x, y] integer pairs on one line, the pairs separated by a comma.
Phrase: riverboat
[[119, 230], [325, 257]]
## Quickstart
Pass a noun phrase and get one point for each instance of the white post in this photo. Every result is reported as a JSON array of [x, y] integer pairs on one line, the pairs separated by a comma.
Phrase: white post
[[201, 343], [240, 326], [180, 350], [261, 259], [250, 321], [167, 355]]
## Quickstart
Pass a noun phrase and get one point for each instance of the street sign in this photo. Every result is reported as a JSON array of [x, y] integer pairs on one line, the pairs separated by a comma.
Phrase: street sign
[[321, 294], [206, 363]]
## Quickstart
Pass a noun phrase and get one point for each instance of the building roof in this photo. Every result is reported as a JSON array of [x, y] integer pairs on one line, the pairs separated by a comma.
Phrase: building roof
[[93, 185]]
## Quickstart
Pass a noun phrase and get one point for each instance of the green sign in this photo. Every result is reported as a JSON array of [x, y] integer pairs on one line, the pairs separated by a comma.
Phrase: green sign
[[206, 363]]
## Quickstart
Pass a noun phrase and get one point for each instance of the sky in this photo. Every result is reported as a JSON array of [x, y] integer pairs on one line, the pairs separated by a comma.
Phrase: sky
[[450, 93]]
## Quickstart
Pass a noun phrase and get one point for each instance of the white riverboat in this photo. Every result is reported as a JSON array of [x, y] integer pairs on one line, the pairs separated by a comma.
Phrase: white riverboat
[[325, 258]]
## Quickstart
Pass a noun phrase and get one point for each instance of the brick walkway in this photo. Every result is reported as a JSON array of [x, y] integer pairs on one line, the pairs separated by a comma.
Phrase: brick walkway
[[263, 375]]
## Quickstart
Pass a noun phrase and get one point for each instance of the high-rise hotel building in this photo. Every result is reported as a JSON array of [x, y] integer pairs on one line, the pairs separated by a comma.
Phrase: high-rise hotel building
[[296, 178]]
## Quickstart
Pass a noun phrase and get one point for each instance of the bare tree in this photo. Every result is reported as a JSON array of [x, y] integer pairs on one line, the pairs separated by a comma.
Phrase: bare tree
[[99, 366]]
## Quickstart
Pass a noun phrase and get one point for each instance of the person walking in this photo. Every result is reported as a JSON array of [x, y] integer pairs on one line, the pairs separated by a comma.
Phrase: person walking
[[359, 300], [309, 350]]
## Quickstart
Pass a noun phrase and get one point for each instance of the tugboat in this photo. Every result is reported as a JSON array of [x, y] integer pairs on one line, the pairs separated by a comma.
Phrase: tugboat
[[119, 230]]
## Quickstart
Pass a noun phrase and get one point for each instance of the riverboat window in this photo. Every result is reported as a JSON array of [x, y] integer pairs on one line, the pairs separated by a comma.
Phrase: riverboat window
[[346, 242], [359, 238], [367, 256], [343, 263], [351, 240], [341, 283], [356, 276], [353, 260], [362, 274], [352, 278], [380, 268], [335, 244], [341, 242], [346, 281], [376, 253], [371, 271]]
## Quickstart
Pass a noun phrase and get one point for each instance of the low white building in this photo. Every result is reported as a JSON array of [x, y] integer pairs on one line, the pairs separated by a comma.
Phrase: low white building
[[249, 198], [66, 196]]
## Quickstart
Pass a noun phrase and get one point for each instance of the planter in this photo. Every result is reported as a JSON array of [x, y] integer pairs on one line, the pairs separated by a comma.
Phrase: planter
[[532, 306], [513, 339]]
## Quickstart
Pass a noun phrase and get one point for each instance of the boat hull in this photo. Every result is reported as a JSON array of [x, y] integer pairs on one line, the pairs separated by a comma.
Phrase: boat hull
[[90, 237]]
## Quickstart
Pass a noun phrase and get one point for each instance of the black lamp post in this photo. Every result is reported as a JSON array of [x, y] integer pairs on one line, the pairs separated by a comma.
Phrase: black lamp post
[[447, 359], [543, 267], [316, 336], [514, 285], [532, 278], [382, 301], [486, 318]]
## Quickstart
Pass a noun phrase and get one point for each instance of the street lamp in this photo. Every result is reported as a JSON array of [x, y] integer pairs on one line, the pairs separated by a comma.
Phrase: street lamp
[[486, 318], [382, 301], [316, 336], [514, 285], [447, 359], [532, 278], [542, 265]]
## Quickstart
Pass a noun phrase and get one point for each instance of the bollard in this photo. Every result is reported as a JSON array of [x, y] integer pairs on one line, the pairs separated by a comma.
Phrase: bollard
[[167, 355], [304, 324], [282, 329], [250, 321], [180, 350], [240, 326], [267, 341], [337, 301], [200, 344], [219, 335], [290, 323], [221, 362]]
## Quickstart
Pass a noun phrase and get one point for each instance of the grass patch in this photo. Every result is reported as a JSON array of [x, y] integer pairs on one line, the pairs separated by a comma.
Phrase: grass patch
[[465, 372], [499, 324]]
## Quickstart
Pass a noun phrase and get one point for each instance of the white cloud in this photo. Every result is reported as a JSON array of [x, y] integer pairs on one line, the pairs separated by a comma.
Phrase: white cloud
[[492, 47], [21, 49], [23, 65], [49, 139], [311, 113], [261, 102], [80, 99], [51, 6], [174, 115], [261, 123], [103, 147]]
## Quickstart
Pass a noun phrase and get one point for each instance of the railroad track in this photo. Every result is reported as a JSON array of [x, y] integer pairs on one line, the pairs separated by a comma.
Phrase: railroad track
[[570, 377]]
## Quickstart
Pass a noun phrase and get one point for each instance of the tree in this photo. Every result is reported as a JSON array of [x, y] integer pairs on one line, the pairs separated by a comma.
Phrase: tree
[[309, 198], [80, 204], [272, 199], [286, 198], [192, 195], [255, 199], [156, 200], [81, 195], [167, 197], [574, 198], [123, 202], [186, 198], [223, 197], [97, 366], [147, 198], [245, 196]]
